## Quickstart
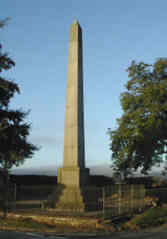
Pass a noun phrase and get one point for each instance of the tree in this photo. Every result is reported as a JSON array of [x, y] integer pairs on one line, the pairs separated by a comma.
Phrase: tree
[[140, 140], [14, 131]]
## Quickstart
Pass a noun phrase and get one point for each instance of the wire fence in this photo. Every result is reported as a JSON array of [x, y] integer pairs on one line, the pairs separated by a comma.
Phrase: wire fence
[[122, 199], [108, 202]]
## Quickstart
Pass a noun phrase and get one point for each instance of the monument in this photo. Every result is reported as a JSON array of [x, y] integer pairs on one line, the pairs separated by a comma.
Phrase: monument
[[73, 176]]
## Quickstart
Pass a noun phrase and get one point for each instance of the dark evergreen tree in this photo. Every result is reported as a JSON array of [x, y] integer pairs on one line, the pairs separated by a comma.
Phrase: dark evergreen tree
[[14, 131]]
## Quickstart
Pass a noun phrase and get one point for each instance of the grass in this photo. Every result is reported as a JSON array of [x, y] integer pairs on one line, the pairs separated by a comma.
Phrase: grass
[[23, 224], [46, 224], [153, 217], [150, 218]]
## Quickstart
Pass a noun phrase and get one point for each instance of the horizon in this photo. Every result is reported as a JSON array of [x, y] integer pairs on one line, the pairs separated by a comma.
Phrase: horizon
[[102, 170]]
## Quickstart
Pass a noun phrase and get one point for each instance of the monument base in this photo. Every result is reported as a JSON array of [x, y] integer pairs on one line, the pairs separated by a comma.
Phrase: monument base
[[80, 199], [70, 199], [68, 194]]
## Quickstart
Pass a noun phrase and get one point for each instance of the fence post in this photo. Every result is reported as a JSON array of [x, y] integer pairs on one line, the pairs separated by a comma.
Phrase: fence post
[[143, 194], [103, 195], [132, 198], [15, 195], [119, 199]]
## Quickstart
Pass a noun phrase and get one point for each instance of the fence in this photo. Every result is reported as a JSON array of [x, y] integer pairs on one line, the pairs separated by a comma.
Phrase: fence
[[26, 197], [109, 201], [156, 196], [122, 199]]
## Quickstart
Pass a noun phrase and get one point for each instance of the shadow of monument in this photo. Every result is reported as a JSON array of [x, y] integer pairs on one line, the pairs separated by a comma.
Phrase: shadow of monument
[[53, 198]]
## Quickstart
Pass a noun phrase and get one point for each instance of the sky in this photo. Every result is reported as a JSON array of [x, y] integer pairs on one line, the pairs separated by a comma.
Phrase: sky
[[114, 34]]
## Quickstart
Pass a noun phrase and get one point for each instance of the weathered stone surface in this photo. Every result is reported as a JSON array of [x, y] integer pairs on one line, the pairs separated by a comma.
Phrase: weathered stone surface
[[74, 155], [73, 174], [71, 199]]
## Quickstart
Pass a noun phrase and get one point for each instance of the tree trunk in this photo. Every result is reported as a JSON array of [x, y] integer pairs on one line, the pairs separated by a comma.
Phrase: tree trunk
[[5, 196]]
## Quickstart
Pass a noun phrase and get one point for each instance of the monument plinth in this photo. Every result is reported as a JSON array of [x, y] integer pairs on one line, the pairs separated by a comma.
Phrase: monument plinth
[[73, 175]]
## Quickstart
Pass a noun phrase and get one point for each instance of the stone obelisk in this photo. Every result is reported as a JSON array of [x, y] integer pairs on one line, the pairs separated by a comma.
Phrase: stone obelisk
[[73, 175]]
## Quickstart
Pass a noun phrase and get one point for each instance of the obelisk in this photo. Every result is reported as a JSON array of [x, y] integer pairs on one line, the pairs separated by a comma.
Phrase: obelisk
[[73, 175]]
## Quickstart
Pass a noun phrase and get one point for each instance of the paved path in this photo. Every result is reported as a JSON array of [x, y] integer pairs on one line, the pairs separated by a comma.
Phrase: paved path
[[22, 235], [154, 234], [18, 235]]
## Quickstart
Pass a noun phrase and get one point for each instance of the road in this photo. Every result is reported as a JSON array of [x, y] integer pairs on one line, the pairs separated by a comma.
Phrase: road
[[157, 234]]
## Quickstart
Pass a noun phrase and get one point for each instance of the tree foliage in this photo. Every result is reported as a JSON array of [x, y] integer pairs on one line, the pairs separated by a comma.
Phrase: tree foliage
[[140, 140], [14, 131]]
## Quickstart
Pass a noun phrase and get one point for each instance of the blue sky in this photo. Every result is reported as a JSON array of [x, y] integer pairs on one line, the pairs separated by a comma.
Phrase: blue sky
[[114, 34]]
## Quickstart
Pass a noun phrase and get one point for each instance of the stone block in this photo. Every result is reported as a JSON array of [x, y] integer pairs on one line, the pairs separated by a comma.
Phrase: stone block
[[73, 176]]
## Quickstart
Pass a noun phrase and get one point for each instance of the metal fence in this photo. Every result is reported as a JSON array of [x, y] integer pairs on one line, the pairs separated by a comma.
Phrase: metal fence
[[109, 201], [122, 199]]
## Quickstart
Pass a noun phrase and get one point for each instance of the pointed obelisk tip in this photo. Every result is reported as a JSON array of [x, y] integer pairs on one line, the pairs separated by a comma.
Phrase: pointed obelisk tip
[[75, 22]]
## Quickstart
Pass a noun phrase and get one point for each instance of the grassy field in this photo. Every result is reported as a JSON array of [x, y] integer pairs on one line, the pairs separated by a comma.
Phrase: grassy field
[[153, 217]]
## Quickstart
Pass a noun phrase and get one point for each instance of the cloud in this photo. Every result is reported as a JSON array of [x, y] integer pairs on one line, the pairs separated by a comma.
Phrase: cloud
[[43, 170], [51, 170]]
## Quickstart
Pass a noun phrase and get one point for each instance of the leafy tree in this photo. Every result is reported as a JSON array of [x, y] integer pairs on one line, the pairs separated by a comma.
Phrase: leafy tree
[[14, 131], [140, 140]]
